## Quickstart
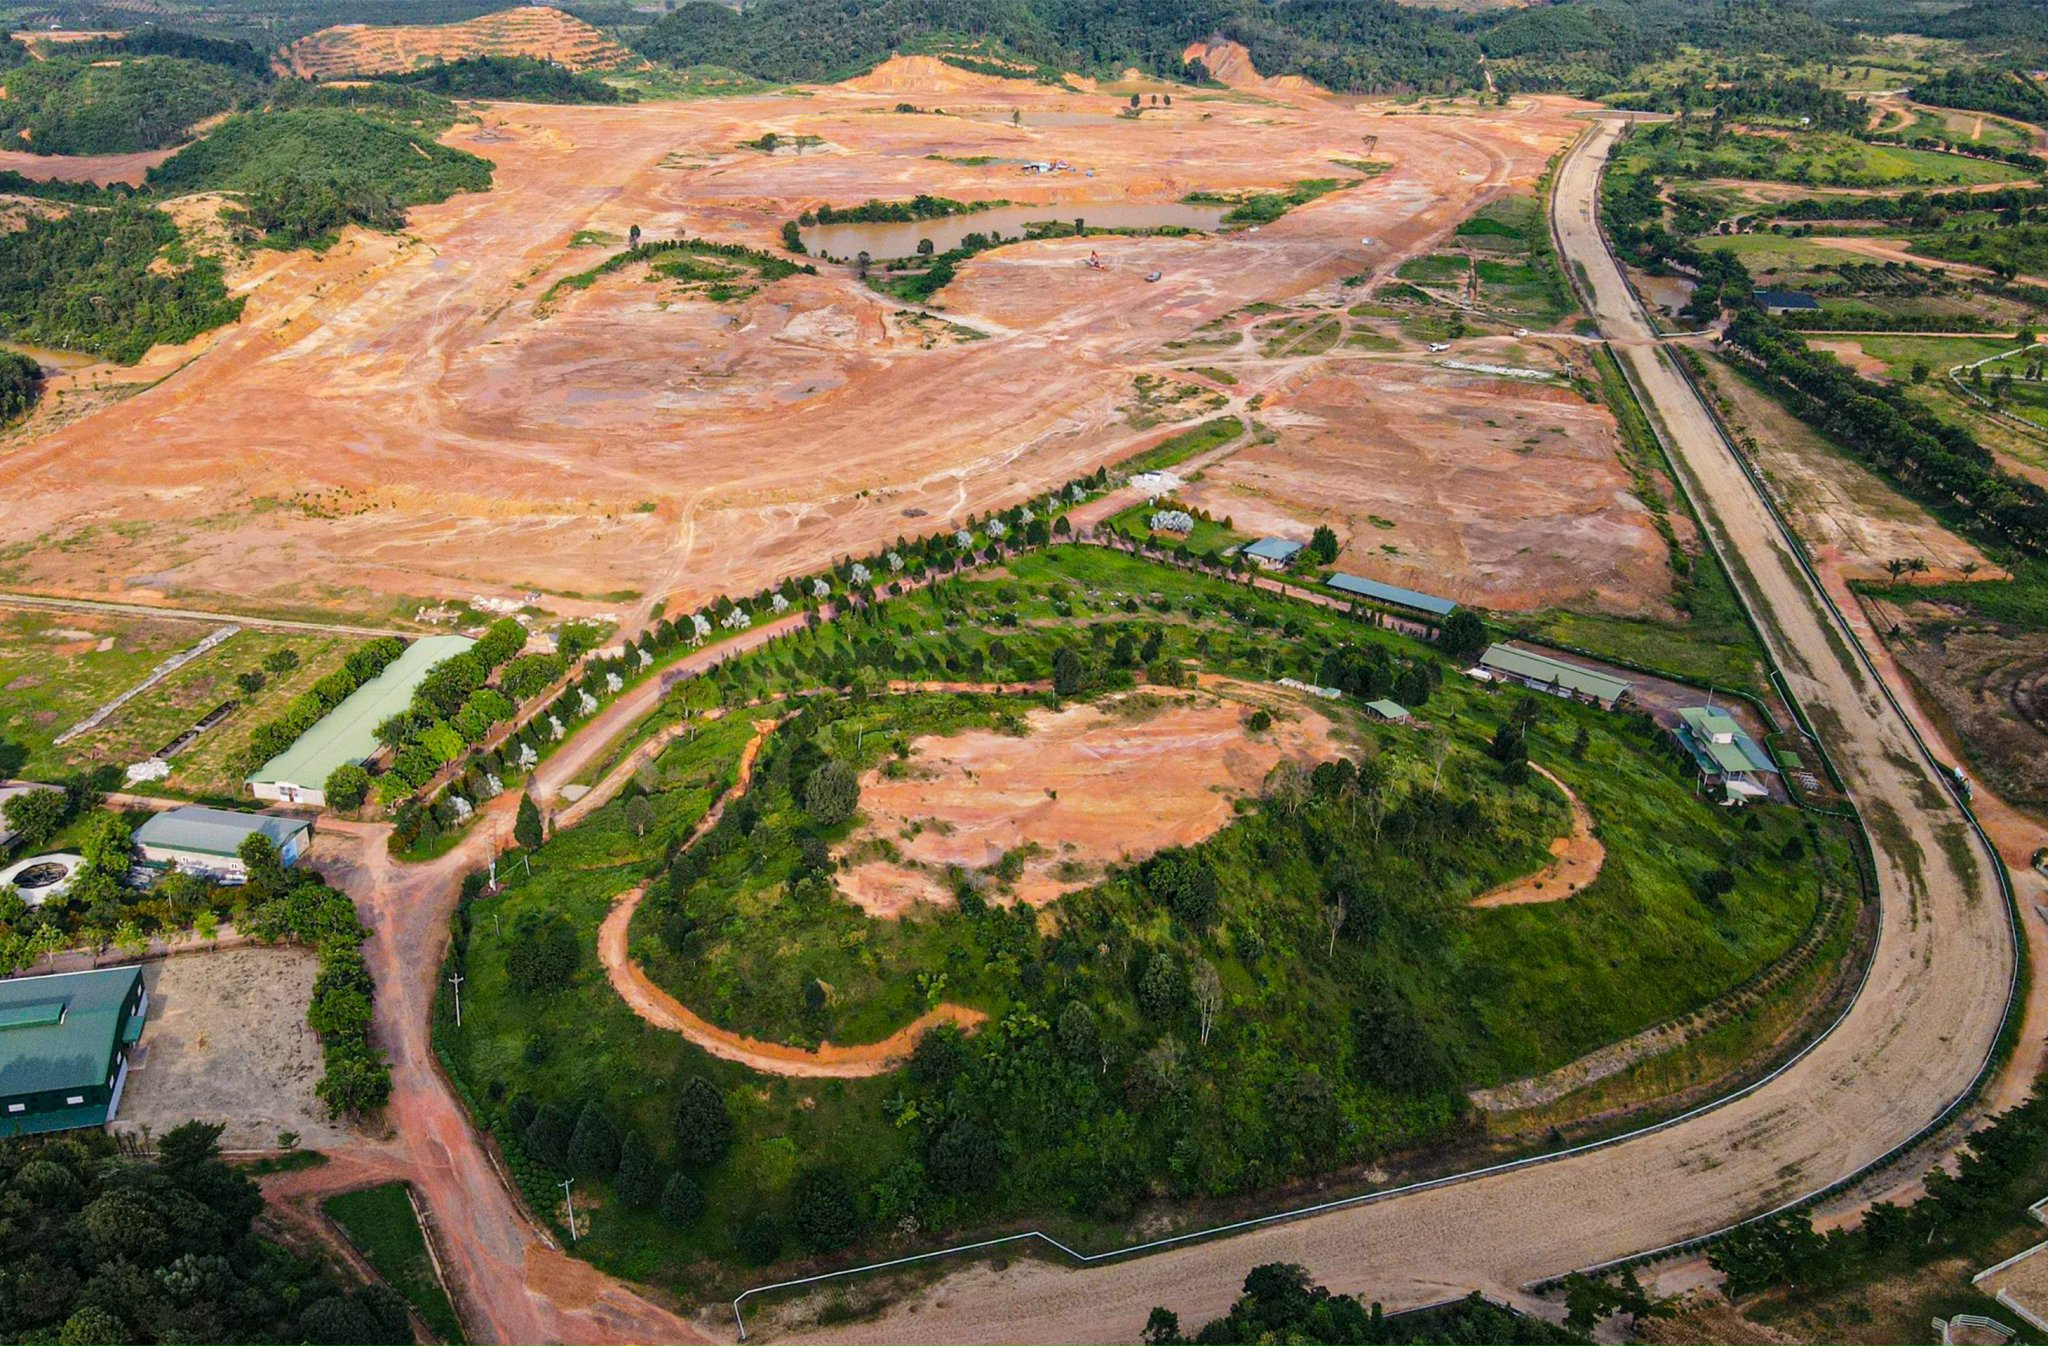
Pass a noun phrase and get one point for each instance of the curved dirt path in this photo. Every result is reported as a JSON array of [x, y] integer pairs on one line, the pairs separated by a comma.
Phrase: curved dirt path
[[656, 1006], [1575, 860], [828, 1061]]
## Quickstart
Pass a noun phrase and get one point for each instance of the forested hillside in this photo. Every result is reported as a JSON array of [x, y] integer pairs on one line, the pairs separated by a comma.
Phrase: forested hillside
[[81, 105], [85, 281], [1359, 45]]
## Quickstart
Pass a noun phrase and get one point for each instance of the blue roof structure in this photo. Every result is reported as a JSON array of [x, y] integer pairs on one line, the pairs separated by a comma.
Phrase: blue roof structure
[[1272, 549], [1392, 593], [1786, 299]]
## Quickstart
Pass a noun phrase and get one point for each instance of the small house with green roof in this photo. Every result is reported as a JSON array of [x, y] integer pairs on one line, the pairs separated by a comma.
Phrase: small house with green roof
[[64, 1041]]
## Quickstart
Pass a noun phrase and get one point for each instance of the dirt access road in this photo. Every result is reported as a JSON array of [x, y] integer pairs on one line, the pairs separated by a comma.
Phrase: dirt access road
[[1911, 1043]]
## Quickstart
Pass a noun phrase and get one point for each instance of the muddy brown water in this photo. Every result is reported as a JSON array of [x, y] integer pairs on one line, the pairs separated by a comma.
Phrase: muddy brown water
[[62, 361], [882, 240]]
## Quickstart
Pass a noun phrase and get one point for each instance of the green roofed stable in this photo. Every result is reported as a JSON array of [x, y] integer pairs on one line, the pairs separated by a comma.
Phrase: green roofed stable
[[348, 733], [1393, 595], [1723, 751], [64, 1042], [1555, 676]]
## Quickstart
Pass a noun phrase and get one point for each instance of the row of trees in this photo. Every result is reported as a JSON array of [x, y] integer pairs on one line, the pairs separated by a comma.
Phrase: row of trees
[[1940, 463], [280, 905], [1281, 1304], [1963, 1214], [306, 709]]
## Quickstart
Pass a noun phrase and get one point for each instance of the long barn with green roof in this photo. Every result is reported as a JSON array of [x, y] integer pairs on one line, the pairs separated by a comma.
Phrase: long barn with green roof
[[64, 1041]]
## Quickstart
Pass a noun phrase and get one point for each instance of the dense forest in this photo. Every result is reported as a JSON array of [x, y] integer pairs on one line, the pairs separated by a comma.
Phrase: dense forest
[[85, 281], [102, 1245], [521, 79], [1363, 46], [82, 105]]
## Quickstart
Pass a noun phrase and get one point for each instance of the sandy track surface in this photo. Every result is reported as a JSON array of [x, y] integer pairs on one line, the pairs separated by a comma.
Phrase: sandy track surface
[[827, 1061], [401, 417], [1575, 861], [1912, 1042]]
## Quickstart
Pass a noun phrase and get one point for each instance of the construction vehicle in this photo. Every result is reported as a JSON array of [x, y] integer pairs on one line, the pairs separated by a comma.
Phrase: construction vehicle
[[1154, 275], [1094, 261]]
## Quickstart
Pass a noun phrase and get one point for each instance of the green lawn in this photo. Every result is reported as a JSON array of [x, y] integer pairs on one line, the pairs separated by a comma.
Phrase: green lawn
[[380, 1223], [1193, 441], [744, 928], [1819, 158]]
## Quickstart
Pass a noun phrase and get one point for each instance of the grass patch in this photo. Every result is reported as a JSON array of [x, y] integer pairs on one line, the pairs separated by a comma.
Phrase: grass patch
[[380, 1222]]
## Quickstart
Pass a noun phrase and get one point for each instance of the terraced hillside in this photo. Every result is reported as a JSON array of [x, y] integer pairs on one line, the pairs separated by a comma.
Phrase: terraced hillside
[[537, 31]]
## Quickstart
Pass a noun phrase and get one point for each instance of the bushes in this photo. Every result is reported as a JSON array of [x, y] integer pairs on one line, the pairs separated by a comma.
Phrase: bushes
[[541, 954], [519, 78], [704, 1129], [21, 383], [832, 794]]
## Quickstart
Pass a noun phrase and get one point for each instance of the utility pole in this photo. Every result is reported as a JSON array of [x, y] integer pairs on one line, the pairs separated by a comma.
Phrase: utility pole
[[570, 1206], [456, 981]]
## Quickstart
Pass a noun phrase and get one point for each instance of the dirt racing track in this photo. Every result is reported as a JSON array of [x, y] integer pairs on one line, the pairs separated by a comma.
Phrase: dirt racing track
[[1912, 1043]]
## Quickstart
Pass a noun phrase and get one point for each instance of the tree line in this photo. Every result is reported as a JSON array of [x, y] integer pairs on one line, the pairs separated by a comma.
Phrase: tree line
[[1939, 463]]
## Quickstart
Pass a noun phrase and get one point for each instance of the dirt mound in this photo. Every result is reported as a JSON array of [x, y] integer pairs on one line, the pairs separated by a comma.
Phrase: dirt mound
[[1229, 63], [546, 34], [1112, 781], [925, 74]]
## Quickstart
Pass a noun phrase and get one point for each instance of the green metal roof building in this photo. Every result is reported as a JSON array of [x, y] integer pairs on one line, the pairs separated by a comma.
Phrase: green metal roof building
[[64, 1041], [348, 733], [1555, 676], [1722, 749]]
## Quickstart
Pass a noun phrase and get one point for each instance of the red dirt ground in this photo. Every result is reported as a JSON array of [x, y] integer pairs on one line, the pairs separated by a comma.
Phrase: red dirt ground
[[1088, 785], [396, 420]]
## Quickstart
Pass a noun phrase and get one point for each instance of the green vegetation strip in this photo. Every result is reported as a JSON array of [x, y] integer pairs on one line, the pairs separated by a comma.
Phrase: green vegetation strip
[[381, 1223]]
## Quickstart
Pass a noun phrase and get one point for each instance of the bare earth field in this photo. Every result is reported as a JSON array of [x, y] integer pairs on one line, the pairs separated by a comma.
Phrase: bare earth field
[[1112, 781], [1496, 491], [530, 30], [397, 420], [227, 1042]]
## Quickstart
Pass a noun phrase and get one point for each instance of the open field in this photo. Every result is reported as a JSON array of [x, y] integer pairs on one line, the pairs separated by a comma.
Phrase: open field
[[57, 668], [1110, 782], [1503, 492], [227, 1042], [399, 419]]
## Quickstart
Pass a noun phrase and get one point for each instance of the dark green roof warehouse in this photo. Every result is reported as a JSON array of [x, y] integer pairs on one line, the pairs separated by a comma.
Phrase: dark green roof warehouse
[[64, 1042]]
